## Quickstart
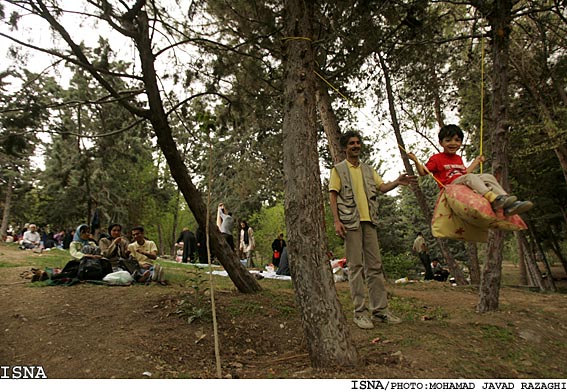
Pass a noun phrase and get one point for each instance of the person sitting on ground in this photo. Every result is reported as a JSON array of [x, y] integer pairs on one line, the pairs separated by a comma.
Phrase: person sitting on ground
[[439, 273], [283, 268], [115, 247], [83, 244], [31, 239], [49, 241], [448, 168], [145, 252]]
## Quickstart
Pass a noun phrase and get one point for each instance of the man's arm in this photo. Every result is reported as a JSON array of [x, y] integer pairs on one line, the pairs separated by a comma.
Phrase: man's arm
[[339, 227], [403, 179]]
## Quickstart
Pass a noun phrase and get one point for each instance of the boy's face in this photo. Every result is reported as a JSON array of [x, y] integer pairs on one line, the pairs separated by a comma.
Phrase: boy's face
[[451, 144]]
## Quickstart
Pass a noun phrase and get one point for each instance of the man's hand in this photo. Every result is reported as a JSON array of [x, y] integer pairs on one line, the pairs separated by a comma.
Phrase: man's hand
[[340, 229], [405, 179]]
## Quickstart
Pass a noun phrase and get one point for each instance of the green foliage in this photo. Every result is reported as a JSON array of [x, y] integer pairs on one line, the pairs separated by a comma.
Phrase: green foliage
[[400, 265]]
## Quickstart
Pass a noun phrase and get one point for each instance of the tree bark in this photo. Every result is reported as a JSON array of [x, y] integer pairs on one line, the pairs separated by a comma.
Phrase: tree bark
[[474, 268], [7, 207], [534, 272], [522, 264], [499, 17], [330, 122], [324, 323]]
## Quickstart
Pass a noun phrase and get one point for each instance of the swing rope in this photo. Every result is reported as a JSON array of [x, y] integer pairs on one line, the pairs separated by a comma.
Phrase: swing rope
[[481, 97]]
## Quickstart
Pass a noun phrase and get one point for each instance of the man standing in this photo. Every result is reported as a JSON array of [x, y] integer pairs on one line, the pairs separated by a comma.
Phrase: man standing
[[420, 247], [227, 224], [353, 191], [188, 241]]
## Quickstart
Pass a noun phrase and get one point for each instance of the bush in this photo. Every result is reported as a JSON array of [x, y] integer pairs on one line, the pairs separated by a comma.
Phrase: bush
[[400, 265]]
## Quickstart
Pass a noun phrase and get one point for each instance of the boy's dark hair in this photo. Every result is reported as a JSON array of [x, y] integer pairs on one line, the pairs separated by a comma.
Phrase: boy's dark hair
[[345, 137], [450, 131], [138, 228]]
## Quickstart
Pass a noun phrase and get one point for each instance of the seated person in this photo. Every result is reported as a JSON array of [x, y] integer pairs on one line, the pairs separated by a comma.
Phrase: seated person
[[31, 239], [49, 241], [115, 247], [144, 252], [439, 273], [83, 244], [283, 268]]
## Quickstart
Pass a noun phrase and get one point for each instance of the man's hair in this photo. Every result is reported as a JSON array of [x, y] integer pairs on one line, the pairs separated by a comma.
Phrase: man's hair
[[450, 131], [435, 259], [139, 228], [345, 137]]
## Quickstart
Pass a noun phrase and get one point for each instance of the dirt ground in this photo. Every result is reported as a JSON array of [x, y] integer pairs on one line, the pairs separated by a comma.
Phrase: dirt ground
[[94, 331]]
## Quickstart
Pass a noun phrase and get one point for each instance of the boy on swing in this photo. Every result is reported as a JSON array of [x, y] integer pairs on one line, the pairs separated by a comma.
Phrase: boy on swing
[[448, 168]]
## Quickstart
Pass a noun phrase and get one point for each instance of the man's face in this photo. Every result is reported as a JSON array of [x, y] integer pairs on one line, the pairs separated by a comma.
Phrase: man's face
[[353, 147], [137, 235]]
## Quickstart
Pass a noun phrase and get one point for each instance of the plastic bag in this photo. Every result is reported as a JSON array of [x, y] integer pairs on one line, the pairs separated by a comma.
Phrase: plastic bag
[[118, 278]]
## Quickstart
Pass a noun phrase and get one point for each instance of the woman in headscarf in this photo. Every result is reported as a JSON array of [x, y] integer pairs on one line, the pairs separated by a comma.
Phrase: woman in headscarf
[[115, 247], [247, 243], [83, 244]]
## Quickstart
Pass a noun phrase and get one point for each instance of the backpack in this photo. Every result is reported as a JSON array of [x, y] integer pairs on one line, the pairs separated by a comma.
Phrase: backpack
[[130, 265], [93, 269]]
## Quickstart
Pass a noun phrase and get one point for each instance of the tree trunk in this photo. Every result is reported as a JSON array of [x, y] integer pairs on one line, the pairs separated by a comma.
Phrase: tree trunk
[[522, 264], [7, 206], [534, 272], [549, 283], [454, 268], [330, 122], [499, 17], [327, 334], [474, 268]]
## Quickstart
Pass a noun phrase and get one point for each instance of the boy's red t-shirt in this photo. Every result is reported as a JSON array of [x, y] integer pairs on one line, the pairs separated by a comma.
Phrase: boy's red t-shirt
[[446, 167]]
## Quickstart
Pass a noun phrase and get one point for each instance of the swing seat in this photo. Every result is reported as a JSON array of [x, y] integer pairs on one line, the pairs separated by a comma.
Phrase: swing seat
[[462, 214]]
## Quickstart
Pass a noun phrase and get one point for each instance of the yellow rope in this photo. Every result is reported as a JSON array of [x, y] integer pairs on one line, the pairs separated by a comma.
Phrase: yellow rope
[[481, 96]]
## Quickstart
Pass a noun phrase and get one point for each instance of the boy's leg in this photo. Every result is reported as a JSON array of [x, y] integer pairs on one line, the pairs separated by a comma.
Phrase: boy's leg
[[474, 182]]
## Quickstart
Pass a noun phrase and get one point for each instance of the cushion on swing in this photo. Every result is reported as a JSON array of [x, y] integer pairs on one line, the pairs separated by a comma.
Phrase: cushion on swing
[[461, 213]]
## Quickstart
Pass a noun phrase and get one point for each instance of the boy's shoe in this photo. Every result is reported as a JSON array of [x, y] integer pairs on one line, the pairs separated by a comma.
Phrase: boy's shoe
[[518, 207], [387, 318], [362, 321], [503, 201]]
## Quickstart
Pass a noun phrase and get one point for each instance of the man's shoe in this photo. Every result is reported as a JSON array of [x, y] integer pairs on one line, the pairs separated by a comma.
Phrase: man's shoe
[[387, 318], [363, 322], [518, 207], [503, 201]]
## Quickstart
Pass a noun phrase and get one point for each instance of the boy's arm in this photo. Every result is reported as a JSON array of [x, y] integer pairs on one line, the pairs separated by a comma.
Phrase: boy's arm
[[474, 164], [418, 166]]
